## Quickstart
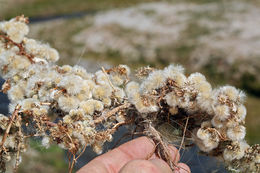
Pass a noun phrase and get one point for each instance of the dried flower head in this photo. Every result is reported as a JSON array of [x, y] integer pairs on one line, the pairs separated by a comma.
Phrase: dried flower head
[[68, 106]]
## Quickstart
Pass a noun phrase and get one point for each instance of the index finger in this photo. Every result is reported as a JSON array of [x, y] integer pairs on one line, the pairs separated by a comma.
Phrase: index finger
[[113, 161]]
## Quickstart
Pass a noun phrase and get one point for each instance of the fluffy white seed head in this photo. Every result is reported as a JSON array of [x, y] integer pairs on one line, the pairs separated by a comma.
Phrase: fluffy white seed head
[[102, 91], [67, 119], [235, 151], [66, 68], [205, 124], [241, 113], [119, 94], [231, 92], [72, 83], [99, 106], [52, 55], [116, 79], [16, 93], [16, 30], [107, 102], [155, 80], [90, 83], [236, 133], [101, 77], [142, 108], [42, 51], [242, 97], [179, 79], [98, 149], [88, 106], [40, 111], [210, 143], [79, 137], [80, 71], [203, 134], [216, 122], [204, 88], [257, 158], [131, 88], [171, 99], [196, 78], [19, 63], [76, 114], [222, 112], [172, 70], [28, 104], [127, 70], [208, 138], [231, 122], [68, 103]]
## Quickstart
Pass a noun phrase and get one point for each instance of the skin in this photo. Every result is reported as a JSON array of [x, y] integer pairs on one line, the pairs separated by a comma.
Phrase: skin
[[136, 156]]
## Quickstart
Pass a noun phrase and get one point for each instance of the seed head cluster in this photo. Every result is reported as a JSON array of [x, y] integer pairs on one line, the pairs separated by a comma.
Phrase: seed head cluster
[[70, 107]]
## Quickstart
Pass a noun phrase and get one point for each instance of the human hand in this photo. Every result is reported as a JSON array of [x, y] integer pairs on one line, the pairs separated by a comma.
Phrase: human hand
[[131, 157]]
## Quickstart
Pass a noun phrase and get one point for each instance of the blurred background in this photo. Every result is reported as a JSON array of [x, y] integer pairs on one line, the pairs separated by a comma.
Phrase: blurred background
[[220, 38]]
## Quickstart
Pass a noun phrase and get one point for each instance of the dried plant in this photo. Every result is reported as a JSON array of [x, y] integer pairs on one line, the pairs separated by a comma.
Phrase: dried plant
[[74, 109]]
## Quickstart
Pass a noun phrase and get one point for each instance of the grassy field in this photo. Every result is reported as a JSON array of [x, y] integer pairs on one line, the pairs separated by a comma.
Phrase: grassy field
[[67, 48], [40, 8]]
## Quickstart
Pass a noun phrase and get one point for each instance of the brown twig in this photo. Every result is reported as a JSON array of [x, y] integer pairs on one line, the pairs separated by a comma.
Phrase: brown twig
[[164, 149], [110, 83], [83, 150], [17, 161], [183, 136], [151, 154], [69, 159], [14, 115], [22, 50], [17, 157], [72, 151], [45, 103], [111, 113], [49, 123], [6, 86], [116, 126], [72, 163]]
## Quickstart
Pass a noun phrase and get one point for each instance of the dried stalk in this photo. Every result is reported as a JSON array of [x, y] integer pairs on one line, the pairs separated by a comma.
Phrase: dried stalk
[[111, 113], [184, 131], [21, 48], [13, 117]]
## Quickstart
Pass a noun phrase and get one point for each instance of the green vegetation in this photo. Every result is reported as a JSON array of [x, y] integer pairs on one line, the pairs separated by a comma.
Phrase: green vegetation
[[253, 119], [41, 160], [40, 8]]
